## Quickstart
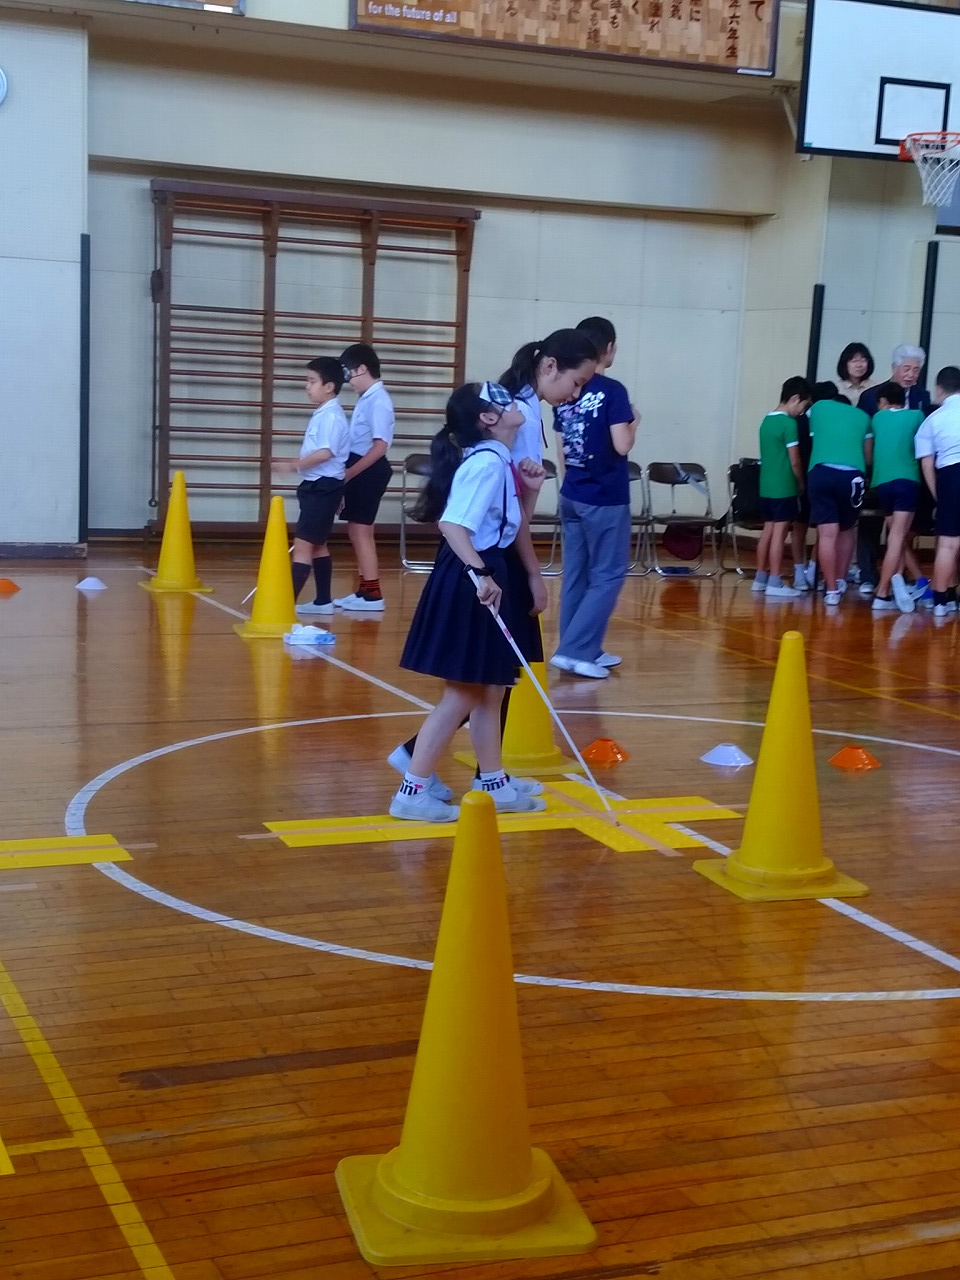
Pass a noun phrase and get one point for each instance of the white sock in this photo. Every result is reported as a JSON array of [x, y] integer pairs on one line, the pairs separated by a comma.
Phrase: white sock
[[412, 785], [494, 781]]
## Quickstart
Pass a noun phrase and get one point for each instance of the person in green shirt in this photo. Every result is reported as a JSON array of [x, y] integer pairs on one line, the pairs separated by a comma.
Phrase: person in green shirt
[[896, 479], [842, 451], [781, 480]]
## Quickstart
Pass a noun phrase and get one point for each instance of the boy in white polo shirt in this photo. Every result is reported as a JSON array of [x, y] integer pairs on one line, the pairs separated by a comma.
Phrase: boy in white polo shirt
[[368, 471], [321, 465], [937, 445]]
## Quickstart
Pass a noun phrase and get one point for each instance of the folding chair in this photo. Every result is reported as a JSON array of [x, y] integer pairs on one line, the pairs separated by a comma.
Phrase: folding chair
[[419, 465], [743, 485], [549, 520], [691, 479], [640, 565]]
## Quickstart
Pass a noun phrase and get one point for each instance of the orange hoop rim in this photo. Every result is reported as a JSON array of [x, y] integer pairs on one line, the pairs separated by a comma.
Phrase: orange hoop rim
[[947, 139]]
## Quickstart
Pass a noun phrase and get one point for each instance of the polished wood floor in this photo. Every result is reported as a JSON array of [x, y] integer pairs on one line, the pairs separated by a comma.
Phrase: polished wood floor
[[186, 1055]]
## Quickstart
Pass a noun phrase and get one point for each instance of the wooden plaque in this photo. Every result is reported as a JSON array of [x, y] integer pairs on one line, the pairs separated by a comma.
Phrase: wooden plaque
[[731, 35]]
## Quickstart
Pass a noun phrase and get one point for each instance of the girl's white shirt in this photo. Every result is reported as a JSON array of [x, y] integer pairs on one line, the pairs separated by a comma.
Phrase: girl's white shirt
[[476, 501], [529, 441]]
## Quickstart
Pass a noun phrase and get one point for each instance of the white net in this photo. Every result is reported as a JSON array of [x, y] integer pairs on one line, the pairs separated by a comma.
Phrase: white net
[[937, 157]]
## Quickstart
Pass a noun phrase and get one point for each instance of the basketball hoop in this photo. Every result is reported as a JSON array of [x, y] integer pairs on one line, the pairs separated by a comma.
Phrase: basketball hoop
[[937, 157]]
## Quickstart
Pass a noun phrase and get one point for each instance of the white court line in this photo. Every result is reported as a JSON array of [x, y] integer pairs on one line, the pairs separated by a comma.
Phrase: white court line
[[74, 822], [853, 913], [381, 684]]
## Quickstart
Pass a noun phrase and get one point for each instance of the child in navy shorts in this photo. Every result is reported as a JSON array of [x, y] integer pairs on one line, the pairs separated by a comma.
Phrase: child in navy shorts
[[474, 493], [321, 466], [368, 471], [938, 448], [781, 481], [896, 480]]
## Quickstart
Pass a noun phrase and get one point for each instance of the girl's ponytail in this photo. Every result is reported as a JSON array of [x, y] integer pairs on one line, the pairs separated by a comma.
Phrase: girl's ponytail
[[460, 430], [568, 347]]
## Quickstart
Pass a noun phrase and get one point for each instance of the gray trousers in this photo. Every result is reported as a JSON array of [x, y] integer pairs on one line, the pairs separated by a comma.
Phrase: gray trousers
[[596, 556]]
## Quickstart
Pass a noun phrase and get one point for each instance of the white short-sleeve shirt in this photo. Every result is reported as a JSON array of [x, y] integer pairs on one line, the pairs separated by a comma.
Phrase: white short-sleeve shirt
[[482, 483], [529, 441], [939, 434], [327, 429], [372, 419]]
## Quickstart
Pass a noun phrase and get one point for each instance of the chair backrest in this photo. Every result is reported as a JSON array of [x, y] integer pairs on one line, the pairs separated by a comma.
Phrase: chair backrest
[[743, 479], [418, 464], [677, 475]]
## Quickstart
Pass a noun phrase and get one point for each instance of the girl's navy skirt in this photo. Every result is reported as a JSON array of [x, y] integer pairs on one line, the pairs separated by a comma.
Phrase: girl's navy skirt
[[453, 636]]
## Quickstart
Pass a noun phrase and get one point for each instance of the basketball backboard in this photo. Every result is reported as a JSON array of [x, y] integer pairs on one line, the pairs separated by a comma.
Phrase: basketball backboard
[[874, 71]]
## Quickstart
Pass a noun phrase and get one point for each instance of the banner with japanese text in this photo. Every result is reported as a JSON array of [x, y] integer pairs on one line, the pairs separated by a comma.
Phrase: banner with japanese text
[[733, 35]]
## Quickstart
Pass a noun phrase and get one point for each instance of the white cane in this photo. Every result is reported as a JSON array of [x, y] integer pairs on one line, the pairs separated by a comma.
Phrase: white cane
[[547, 703]]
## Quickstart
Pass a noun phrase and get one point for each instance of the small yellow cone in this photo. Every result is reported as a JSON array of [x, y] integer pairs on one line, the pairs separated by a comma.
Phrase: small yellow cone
[[176, 570], [274, 608], [781, 857], [464, 1184]]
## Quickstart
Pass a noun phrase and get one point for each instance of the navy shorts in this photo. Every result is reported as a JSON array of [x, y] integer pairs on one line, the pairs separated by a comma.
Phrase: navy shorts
[[835, 496], [319, 503], [946, 524], [363, 493], [898, 495], [779, 510]]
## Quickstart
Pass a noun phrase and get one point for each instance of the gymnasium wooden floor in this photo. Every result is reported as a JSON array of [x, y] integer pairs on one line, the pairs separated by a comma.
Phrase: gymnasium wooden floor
[[190, 1041]]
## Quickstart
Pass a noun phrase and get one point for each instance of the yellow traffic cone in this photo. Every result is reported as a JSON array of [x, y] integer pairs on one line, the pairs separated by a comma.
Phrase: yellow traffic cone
[[464, 1184], [782, 856], [176, 570], [274, 608]]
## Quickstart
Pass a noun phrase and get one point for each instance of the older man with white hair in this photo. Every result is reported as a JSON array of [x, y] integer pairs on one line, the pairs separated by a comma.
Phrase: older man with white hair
[[906, 365]]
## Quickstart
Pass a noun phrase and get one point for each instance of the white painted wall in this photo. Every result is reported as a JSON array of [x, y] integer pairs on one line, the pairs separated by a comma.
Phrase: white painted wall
[[671, 286], [42, 216], [875, 248]]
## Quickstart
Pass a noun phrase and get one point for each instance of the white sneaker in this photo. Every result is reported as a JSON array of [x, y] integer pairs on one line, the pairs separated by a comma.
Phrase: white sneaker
[[800, 582], [832, 597], [313, 608], [399, 759], [423, 807], [884, 606], [867, 589], [592, 670], [609, 660], [508, 799], [760, 582], [810, 573], [525, 786], [940, 610], [575, 667], [780, 591], [842, 586], [360, 604], [902, 594], [345, 602]]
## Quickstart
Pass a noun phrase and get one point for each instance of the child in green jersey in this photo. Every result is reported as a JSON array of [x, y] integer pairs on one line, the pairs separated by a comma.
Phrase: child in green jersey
[[896, 479], [842, 452], [781, 480]]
